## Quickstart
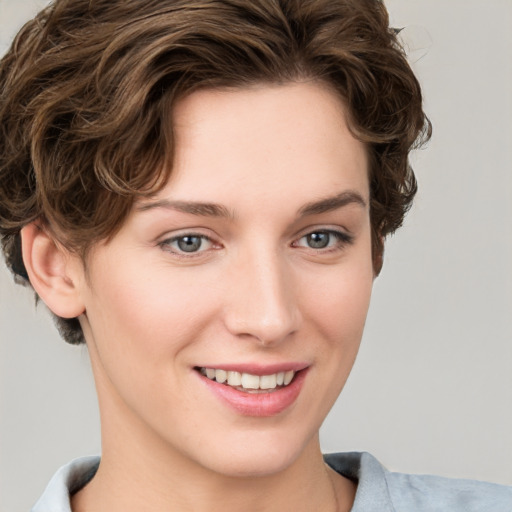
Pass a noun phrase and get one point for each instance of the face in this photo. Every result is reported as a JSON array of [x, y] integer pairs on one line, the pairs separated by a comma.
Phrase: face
[[254, 265]]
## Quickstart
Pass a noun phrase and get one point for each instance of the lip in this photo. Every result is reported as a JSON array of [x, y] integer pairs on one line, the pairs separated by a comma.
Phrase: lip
[[258, 404], [258, 369]]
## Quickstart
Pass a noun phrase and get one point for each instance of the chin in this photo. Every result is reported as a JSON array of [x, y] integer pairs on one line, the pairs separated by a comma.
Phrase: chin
[[257, 455], [264, 465]]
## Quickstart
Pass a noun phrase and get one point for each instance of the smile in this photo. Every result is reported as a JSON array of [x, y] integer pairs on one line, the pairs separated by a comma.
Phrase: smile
[[248, 382], [256, 391]]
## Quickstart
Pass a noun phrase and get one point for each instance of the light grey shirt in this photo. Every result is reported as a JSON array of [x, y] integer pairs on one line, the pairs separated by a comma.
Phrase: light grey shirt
[[378, 490]]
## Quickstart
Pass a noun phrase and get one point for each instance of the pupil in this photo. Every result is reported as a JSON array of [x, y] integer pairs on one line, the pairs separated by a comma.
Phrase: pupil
[[318, 240], [189, 243]]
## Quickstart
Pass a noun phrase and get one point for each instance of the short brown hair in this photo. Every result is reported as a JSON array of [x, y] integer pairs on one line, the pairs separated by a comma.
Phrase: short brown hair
[[87, 86]]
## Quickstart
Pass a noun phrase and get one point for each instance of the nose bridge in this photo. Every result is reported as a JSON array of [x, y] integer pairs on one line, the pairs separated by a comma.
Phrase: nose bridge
[[262, 302]]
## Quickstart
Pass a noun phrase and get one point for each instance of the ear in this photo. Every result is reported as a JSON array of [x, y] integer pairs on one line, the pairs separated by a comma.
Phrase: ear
[[54, 273]]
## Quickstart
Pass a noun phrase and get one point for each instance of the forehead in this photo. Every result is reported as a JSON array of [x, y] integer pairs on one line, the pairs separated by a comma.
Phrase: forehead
[[265, 138]]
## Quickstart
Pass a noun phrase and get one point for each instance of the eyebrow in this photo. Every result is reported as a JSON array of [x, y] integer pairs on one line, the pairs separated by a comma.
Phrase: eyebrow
[[332, 203], [192, 207], [216, 210]]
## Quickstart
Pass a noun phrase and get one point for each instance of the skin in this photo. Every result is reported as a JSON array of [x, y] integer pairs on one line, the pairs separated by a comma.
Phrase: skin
[[254, 292]]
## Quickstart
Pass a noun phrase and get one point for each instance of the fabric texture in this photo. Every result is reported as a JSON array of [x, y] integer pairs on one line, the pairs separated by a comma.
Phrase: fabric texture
[[378, 490]]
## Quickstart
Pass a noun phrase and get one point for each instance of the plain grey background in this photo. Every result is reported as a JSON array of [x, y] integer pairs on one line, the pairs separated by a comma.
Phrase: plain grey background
[[431, 391]]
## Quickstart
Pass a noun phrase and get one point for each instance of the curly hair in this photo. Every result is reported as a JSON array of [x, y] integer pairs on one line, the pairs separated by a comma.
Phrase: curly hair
[[87, 86]]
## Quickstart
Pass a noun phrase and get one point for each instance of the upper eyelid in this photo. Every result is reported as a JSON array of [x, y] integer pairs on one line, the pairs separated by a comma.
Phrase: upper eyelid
[[179, 233], [324, 229], [184, 235], [174, 238]]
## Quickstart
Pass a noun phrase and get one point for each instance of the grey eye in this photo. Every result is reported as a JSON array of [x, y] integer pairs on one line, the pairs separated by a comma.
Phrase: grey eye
[[318, 240], [189, 243]]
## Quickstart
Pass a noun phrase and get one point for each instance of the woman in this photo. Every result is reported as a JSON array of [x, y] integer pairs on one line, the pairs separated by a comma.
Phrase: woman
[[200, 192]]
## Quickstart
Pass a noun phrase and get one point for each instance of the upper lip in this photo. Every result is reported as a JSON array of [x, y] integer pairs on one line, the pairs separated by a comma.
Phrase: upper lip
[[256, 368]]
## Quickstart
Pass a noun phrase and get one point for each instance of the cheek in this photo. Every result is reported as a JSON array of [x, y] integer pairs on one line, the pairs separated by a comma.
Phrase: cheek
[[153, 312], [335, 322], [339, 307]]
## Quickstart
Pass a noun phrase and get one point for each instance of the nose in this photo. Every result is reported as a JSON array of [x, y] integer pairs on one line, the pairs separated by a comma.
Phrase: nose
[[262, 302]]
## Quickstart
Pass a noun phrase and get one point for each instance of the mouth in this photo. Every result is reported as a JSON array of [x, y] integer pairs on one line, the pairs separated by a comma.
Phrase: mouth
[[255, 392], [247, 382]]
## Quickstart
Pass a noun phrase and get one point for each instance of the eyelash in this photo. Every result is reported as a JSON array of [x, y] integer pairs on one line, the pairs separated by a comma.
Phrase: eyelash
[[167, 244], [342, 239]]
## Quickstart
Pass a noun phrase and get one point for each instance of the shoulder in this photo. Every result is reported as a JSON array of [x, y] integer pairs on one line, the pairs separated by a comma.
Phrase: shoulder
[[433, 493], [383, 490], [66, 481]]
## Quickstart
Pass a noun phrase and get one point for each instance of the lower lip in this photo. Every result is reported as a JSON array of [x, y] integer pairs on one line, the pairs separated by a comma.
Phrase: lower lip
[[258, 404]]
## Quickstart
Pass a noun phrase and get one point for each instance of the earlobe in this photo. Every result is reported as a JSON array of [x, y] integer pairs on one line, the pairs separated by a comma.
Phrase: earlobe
[[53, 271]]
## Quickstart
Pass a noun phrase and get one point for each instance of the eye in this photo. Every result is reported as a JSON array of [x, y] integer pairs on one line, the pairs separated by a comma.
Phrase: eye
[[324, 239], [318, 240], [187, 244]]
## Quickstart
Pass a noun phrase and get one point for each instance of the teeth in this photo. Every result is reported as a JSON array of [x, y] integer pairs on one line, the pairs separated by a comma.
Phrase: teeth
[[288, 376], [234, 378], [268, 381], [250, 381], [221, 376], [247, 380]]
